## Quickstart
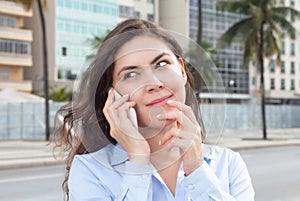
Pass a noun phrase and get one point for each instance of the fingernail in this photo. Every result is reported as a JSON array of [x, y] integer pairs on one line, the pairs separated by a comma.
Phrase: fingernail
[[158, 116], [159, 142], [125, 95], [110, 90], [169, 101]]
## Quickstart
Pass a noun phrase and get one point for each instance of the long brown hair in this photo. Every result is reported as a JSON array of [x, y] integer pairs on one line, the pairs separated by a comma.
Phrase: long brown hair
[[83, 116]]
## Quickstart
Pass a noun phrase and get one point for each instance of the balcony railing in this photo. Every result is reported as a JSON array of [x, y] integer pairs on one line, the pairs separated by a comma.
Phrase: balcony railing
[[24, 85], [15, 59], [17, 34]]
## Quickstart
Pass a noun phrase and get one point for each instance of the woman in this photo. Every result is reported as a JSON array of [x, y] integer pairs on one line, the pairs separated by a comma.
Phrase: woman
[[159, 157]]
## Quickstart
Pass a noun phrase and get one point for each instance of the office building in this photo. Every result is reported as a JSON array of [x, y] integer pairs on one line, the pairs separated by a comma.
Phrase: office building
[[230, 60], [70, 25]]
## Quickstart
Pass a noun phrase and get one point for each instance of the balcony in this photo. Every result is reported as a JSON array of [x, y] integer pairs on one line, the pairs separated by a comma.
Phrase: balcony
[[24, 85], [15, 59], [15, 34], [12, 8]]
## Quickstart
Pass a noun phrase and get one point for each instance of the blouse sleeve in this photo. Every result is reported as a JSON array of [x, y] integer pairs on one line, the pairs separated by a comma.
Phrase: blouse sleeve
[[204, 185]]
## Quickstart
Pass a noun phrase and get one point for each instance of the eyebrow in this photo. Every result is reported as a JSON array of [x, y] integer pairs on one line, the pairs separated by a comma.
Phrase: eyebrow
[[152, 62]]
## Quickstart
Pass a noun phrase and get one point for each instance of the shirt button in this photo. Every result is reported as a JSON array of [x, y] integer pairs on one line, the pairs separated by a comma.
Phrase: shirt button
[[144, 176], [190, 187]]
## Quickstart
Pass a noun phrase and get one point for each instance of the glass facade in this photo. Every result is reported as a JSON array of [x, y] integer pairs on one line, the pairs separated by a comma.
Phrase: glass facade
[[214, 24], [76, 22]]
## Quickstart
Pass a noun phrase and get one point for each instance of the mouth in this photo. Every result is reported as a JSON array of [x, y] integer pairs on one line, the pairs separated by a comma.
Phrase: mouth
[[159, 101]]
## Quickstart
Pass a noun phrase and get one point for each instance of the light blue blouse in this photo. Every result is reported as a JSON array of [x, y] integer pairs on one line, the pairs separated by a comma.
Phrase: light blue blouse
[[108, 175]]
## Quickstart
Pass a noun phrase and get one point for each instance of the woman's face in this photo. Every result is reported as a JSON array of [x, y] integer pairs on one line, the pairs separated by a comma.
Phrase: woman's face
[[147, 70]]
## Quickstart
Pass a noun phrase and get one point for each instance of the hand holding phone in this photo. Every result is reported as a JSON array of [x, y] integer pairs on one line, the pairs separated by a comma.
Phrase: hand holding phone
[[132, 112]]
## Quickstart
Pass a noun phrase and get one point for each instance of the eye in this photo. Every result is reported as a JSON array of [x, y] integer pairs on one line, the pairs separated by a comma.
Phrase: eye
[[129, 75], [162, 64]]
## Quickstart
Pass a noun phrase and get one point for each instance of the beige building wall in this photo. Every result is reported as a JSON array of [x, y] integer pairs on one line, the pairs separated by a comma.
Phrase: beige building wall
[[12, 62], [174, 15]]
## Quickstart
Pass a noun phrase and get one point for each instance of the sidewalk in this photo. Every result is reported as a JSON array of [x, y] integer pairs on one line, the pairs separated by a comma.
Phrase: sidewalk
[[21, 154]]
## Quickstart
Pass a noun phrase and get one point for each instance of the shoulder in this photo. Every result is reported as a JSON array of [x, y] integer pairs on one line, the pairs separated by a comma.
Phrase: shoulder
[[224, 158], [219, 153], [91, 161]]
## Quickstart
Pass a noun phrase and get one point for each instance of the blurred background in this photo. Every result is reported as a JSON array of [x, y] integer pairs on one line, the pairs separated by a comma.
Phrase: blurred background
[[46, 44]]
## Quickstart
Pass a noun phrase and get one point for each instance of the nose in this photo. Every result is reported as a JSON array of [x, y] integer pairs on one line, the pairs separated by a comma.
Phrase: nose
[[153, 83]]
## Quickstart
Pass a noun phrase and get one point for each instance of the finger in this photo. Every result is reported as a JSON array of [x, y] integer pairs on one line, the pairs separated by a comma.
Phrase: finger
[[110, 98], [107, 106], [187, 110], [182, 144], [172, 133], [176, 115], [117, 103]]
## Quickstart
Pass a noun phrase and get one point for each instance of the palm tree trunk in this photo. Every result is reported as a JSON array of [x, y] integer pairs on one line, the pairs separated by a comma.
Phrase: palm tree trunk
[[45, 66], [199, 32], [197, 77], [262, 81]]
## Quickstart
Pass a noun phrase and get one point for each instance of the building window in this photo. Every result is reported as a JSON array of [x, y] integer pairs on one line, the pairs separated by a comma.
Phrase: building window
[[292, 85], [253, 81], [292, 67], [292, 17], [292, 2], [15, 46], [282, 68], [6, 21], [282, 49], [150, 17], [282, 86], [126, 11], [292, 49], [64, 51], [272, 66], [137, 14], [272, 84], [4, 73]]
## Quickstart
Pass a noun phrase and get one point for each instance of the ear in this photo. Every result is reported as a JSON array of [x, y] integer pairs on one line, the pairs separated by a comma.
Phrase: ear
[[183, 72]]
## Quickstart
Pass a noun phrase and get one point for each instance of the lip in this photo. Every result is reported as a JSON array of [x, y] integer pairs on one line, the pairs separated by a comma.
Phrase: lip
[[159, 101]]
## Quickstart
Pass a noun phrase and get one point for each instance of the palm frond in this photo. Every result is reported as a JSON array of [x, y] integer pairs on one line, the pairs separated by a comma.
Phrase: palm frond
[[284, 24], [240, 29], [271, 46], [249, 49], [239, 7]]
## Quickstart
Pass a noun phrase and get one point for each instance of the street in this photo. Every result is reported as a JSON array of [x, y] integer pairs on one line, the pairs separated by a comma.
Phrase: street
[[32, 184], [274, 171]]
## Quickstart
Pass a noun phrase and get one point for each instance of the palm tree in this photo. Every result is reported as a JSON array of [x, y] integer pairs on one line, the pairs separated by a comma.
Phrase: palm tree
[[28, 5], [95, 42], [260, 30]]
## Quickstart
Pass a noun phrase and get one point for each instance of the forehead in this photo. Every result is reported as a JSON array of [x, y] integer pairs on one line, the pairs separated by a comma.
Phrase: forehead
[[142, 45]]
